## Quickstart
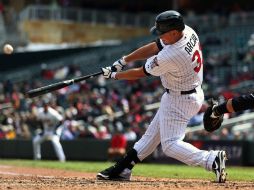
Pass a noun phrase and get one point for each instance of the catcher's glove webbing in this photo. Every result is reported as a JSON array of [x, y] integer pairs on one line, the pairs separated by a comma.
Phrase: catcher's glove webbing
[[211, 122]]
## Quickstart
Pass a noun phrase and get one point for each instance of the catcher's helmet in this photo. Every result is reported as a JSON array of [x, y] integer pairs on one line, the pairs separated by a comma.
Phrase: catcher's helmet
[[166, 21]]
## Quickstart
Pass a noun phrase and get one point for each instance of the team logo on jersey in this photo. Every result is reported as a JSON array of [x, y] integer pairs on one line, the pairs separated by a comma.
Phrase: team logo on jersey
[[154, 63]]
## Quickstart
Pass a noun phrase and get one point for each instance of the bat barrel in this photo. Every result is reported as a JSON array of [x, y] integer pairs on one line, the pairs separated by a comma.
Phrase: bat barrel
[[49, 88], [46, 89]]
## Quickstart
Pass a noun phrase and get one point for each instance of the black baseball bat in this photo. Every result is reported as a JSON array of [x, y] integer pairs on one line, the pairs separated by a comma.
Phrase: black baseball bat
[[49, 88]]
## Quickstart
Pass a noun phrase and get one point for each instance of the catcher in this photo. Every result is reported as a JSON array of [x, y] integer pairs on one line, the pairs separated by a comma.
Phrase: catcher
[[213, 116]]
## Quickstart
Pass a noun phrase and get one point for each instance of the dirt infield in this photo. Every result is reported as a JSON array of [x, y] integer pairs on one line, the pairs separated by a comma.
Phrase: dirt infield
[[23, 178]]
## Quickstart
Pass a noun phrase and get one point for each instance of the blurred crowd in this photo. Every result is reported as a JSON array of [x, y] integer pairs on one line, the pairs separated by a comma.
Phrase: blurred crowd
[[98, 108], [89, 108], [92, 109]]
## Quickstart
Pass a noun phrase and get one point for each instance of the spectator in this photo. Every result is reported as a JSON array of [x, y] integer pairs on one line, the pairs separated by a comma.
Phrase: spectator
[[1, 7], [130, 135], [118, 145]]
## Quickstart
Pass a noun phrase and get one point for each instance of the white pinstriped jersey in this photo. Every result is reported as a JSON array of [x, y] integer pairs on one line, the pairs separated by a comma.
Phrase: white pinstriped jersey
[[179, 65], [50, 118]]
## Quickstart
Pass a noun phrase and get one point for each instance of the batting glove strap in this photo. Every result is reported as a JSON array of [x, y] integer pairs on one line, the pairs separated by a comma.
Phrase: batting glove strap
[[113, 75], [108, 73], [119, 64]]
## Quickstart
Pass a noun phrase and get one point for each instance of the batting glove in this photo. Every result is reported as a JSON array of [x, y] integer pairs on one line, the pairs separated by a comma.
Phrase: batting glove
[[118, 65], [108, 73]]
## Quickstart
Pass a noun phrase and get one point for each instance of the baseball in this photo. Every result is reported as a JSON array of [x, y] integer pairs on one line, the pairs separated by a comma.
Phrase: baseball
[[8, 49]]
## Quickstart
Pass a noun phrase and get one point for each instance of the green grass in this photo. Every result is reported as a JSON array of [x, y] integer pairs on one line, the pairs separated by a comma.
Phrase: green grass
[[146, 170]]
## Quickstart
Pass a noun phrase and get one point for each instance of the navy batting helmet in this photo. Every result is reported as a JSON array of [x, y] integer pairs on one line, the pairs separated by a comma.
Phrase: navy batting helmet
[[166, 21]]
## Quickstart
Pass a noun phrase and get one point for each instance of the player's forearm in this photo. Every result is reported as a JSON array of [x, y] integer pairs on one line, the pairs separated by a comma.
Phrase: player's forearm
[[131, 74], [229, 106], [243, 102], [142, 53], [235, 104]]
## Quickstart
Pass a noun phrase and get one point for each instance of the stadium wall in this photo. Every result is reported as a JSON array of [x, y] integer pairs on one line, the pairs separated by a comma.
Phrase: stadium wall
[[69, 32], [24, 59], [239, 152]]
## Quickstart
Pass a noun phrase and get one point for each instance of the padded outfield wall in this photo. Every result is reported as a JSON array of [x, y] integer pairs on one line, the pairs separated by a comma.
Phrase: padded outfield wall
[[239, 152]]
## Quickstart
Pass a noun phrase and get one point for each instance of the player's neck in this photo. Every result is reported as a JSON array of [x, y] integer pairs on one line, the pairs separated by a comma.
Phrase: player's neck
[[178, 37], [172, 38]]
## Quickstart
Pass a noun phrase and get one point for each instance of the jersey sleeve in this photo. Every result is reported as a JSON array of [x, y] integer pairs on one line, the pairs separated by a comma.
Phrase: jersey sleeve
[[156, 65], [55, 114], [38, 112]]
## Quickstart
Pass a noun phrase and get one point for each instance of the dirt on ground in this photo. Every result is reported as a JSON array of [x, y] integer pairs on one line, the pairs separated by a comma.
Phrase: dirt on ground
[[25, 178]]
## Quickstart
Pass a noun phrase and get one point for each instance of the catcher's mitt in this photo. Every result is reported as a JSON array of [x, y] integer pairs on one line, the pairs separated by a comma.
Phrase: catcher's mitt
[[212, 123]]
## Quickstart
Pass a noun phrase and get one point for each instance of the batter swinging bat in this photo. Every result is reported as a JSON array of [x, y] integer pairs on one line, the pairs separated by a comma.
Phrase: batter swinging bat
[[46, 89]]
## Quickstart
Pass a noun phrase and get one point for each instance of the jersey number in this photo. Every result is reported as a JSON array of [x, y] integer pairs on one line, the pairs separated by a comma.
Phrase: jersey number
[[198, 57]]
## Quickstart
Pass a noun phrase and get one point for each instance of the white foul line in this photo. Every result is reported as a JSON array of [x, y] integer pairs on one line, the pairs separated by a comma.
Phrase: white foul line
[[27, 175]]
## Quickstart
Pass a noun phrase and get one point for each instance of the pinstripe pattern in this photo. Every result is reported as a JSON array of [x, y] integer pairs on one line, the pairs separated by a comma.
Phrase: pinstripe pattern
[[150, 140], [175, 67]]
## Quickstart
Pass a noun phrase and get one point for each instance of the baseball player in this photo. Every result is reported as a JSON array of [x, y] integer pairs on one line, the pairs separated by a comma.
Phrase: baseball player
[[52, 126], [213, 116], [176, 57]]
